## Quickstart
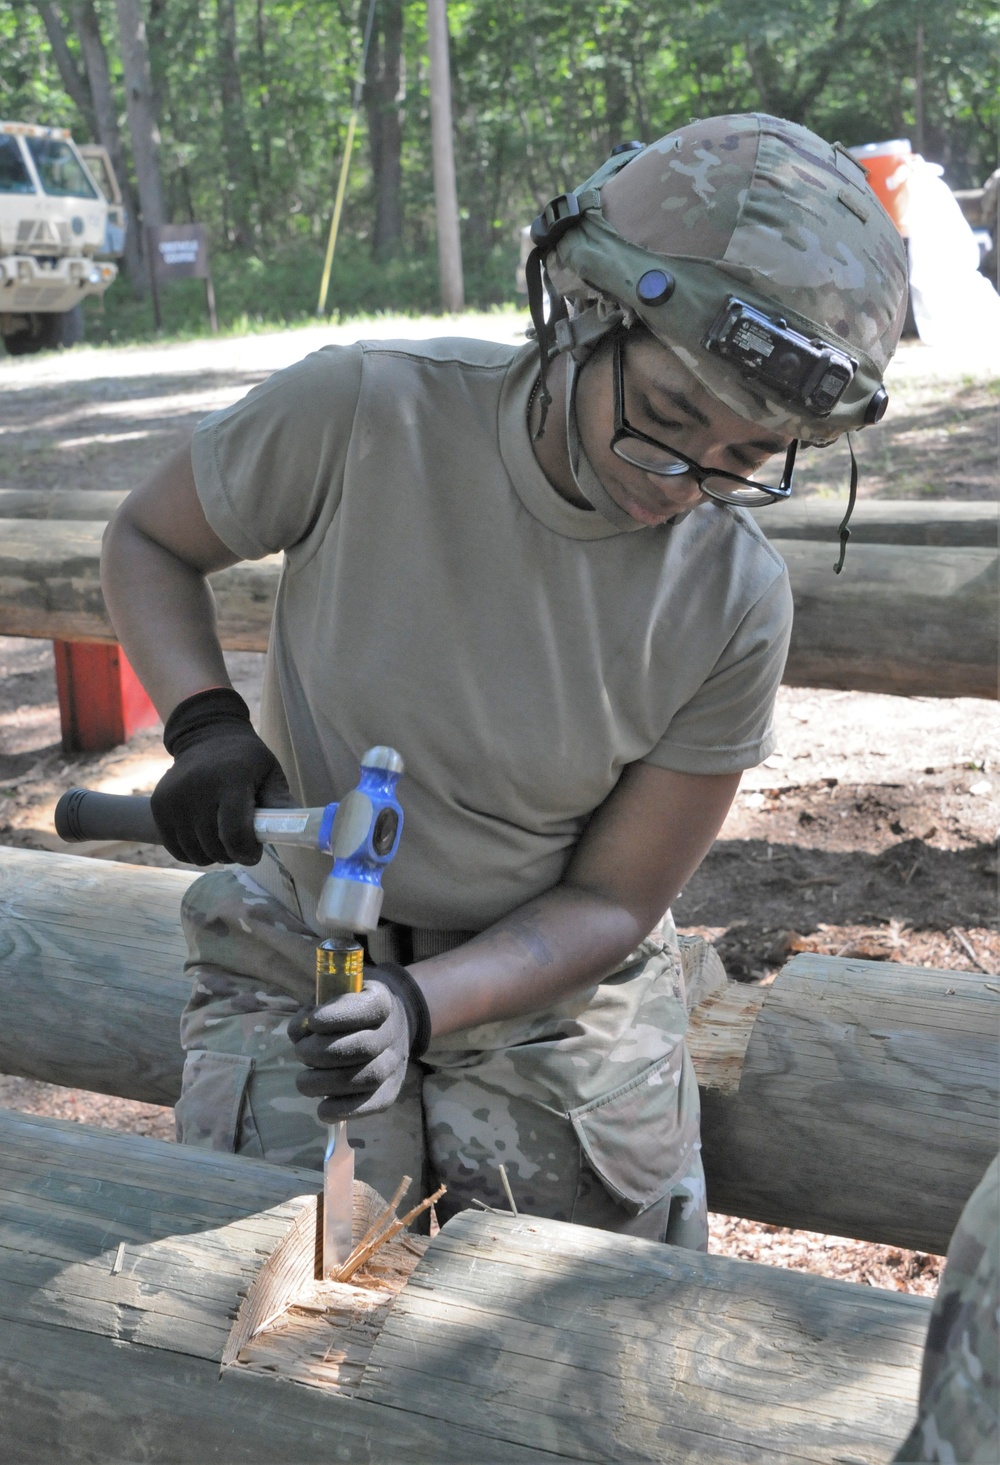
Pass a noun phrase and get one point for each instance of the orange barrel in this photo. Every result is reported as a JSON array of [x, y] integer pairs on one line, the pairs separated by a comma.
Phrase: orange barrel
[[888, 167]]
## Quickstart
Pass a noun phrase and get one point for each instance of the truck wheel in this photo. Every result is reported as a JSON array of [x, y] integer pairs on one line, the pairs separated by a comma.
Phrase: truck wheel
[[68, 327], [50, 332], [23, 343]]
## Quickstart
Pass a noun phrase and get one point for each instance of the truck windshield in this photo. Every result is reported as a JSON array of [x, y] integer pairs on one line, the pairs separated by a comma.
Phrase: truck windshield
[[59, 168], [100, 172], [14, 175]]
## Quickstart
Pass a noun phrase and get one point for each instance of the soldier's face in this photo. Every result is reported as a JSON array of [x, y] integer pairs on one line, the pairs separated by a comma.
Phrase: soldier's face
[[666, 402]]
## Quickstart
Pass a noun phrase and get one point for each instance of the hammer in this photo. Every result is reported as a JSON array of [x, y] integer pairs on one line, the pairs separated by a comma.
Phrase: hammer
[[361, 833]]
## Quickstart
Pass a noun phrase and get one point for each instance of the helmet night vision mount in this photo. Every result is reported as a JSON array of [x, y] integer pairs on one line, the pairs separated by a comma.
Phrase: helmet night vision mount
[[752, 249]]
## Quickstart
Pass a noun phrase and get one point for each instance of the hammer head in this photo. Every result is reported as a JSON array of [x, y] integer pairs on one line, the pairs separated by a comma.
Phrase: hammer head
[[363, 839]]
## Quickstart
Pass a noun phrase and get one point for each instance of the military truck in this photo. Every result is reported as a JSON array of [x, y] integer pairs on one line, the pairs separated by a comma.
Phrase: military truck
[[60, 230]]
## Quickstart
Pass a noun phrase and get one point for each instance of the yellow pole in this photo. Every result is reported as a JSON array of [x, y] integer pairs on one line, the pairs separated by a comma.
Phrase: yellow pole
[[359, 87], [331, 243]]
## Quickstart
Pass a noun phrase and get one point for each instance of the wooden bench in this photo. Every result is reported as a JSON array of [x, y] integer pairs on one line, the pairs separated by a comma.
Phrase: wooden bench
[[913, 614], [50, 588], [851, 1097]]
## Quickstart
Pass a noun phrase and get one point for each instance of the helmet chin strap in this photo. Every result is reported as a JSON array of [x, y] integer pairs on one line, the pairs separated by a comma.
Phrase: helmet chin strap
[[580, 465]]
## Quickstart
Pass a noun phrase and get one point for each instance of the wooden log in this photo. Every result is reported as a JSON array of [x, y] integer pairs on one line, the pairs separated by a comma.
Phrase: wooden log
[[50, 587], [933, 607], [960, 523], [850, 1097], [910, 620], [514, 1339], [91, 979], [868, 1102], [956, 522], [60, 503]]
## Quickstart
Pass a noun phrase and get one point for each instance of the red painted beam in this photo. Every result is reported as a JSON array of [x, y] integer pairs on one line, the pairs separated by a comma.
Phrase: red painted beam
[[101, 700]]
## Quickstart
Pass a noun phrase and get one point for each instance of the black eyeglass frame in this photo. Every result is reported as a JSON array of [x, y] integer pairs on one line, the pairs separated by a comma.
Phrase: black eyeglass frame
[[624, 430]]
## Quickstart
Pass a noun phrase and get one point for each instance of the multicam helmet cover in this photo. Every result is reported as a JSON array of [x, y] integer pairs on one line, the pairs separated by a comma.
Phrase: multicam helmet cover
[[747, 209]]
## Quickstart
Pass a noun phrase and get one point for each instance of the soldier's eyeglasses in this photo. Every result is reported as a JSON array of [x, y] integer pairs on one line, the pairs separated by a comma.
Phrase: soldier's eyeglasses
[[642, 451]]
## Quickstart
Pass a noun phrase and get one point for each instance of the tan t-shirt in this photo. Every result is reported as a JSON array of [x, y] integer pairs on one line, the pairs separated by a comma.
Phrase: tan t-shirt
[[440, 596]]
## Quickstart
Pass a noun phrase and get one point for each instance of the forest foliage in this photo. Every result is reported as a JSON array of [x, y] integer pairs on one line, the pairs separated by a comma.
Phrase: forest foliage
[[251, 100]]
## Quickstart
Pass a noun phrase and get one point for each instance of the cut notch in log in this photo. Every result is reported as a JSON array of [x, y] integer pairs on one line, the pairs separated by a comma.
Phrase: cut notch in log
[[718, 1035], [290, 1279]]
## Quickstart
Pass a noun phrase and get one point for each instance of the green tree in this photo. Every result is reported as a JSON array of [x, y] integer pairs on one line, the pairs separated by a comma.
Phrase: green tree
[[252, 99]]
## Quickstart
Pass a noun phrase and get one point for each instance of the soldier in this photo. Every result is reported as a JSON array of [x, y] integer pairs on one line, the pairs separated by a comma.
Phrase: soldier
[[531, 571], [957, 1421]]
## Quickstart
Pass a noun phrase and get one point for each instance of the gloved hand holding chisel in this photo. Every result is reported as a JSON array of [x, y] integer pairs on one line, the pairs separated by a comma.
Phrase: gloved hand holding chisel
[[356, 1048]]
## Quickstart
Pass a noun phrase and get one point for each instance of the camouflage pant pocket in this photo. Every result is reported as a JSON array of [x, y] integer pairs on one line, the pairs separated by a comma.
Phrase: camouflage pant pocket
[[213, 1111], [637, 1145]]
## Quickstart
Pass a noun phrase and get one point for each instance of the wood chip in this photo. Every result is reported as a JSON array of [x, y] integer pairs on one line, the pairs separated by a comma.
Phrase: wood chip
[[970, 951], [507, 1190]]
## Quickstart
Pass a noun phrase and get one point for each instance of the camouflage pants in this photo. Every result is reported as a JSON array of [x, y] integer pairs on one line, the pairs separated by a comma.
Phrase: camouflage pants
[[592, 1107], [957, 1422]]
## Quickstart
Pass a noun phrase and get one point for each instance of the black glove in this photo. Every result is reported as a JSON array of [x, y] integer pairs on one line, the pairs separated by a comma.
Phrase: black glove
[[203, 806], [356, 1049]]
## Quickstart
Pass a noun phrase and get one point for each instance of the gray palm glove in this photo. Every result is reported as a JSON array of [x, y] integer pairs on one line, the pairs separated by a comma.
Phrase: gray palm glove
[[356, 1049]]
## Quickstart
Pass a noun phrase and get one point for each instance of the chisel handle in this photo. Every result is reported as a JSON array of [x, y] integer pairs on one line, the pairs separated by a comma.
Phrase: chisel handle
[[339, 968]]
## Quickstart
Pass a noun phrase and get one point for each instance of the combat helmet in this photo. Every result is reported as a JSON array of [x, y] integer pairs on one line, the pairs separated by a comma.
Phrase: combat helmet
[[754, 250]]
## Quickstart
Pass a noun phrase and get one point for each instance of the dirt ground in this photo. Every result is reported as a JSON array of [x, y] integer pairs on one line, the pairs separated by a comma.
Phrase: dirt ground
[[98, 418], [871, 831]]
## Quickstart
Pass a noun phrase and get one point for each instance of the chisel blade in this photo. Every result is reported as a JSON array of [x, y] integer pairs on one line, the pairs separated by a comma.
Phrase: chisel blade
[[338, 1199]]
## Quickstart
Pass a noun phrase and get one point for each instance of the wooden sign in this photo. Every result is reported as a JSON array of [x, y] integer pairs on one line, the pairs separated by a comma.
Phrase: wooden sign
[[179, 252]]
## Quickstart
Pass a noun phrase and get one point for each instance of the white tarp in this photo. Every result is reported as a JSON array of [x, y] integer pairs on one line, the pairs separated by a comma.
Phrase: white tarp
[[953, 304]]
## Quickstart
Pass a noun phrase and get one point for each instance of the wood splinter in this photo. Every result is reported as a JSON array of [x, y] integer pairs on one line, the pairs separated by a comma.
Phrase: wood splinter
[[376, 1237]]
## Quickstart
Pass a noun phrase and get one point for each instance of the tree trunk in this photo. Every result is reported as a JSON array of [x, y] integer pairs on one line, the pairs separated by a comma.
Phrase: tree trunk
[[442, 140], [95, 58], [260, 35], [74, 82], [385, 132], [616, 99], [156, 42], [241, 184], [141, 112], [128, 1266]]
